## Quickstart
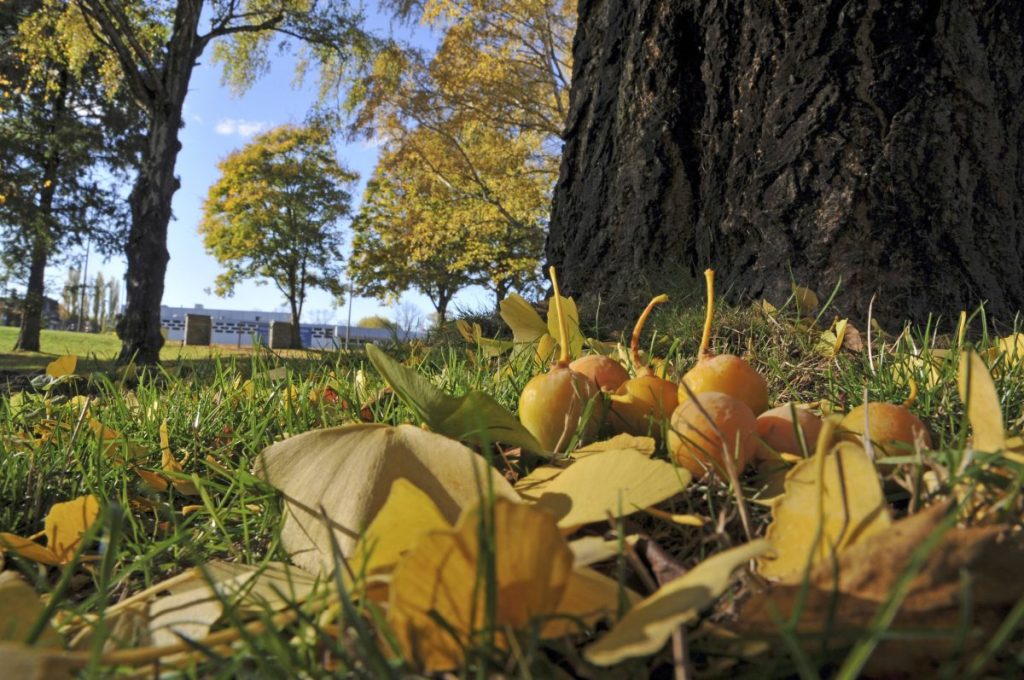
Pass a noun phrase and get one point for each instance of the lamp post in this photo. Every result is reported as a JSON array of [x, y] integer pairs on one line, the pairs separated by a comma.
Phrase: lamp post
[[348, 326]]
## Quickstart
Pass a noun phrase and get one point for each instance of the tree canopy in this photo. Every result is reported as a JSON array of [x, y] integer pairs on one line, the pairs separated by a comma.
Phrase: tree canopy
[[274, 215], [470, 132], [149, 49], [428, 224], [68, 145]]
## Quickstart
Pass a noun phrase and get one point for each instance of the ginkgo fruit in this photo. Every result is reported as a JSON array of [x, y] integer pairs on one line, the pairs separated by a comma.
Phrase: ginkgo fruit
[[778, 434], [607, 373], [552, 404], [699, 444], [726, 373], [641, 404], [893, 428]]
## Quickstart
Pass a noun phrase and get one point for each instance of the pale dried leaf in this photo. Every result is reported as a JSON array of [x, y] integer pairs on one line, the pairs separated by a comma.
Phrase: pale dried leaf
[[347, 472]]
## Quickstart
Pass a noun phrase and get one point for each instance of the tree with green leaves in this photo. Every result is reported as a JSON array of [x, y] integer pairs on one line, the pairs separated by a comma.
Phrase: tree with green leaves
[[67, 148], [151, 48], [274, 215]]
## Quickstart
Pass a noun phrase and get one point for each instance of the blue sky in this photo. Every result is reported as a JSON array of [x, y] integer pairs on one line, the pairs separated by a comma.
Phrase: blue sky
[[216, 123]]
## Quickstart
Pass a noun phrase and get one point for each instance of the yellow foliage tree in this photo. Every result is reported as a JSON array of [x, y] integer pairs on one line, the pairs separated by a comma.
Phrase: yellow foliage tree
[[438, 222], [475, 127]]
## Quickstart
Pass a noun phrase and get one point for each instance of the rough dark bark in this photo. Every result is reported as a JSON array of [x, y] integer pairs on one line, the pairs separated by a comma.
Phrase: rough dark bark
[[150, 199], [881, 143]]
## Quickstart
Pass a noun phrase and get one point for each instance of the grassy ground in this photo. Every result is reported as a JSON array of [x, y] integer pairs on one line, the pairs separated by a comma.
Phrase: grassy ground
[[97, 351], [219, 418]]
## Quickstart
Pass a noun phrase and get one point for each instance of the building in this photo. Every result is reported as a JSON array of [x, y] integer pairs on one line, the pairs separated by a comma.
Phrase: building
[[239, 328]]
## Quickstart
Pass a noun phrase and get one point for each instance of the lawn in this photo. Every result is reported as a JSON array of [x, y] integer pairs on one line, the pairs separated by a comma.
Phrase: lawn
[[201, 501], [97, 351]]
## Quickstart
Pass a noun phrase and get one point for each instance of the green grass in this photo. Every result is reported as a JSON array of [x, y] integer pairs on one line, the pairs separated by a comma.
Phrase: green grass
[[97, 351], [48, 454]]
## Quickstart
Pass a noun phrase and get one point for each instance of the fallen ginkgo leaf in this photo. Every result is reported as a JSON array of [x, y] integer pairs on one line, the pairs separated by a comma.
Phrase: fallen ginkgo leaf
[[62, 366], [441, 580], [978, 393], [831, 501], [20, 611], [601, 484], [346, 473], [63, 528], [647, 626]]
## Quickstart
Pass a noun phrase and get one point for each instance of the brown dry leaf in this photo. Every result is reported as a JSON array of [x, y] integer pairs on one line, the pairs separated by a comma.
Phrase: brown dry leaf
[[170, 464], [63, 527], [347, 472], [115, 445], [647, 626], [602, 484], [34, 663], [852, 339], [831, 502], [62, 366], [21, 608], [978, 393], [535, 578], [849, 592]]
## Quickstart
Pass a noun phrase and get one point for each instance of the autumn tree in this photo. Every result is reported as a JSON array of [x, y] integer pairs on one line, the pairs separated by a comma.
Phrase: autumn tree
[[482, 115], [67, 147], [152, 47], [874, 142], [274, 215]]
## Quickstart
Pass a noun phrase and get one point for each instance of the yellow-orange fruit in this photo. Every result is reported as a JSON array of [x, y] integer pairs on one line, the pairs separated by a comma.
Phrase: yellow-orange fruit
[[551, 405], [606, 372], [728, 374], [777, 433], [893, 427], [695, 443], [652, 400]]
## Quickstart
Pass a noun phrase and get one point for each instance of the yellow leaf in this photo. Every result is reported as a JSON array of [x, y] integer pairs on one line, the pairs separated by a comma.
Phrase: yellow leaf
[[522, 318], [407, 515], [154, 480], [546, 347], [170, 464], [348, 472], [608, 483], [22, 661], [646, 627], [593, 549], [62, 366], [978, 393], [66, 523], [1012, 347], [21, 608], [440, 577], [115, 445], [806, 299], [465, 330], [28, 549], [621, 442], [572, 324], [831, 501]]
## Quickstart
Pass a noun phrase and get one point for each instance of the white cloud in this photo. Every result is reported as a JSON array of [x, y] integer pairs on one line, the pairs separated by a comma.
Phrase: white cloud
[[239, 126]]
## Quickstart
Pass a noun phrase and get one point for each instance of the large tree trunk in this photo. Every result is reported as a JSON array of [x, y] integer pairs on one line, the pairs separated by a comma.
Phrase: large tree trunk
[[146, 251], [879, 143], [150, 200]]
